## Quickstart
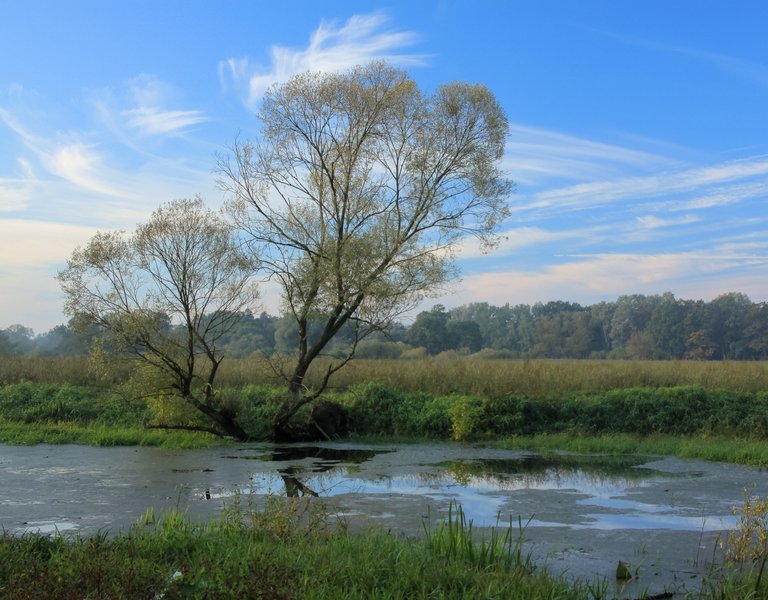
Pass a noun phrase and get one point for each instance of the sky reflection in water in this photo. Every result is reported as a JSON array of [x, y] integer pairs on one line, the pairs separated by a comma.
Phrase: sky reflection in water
[[485, 488]]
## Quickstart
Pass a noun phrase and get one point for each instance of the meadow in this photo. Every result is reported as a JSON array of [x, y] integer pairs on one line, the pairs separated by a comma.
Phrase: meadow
[[541, 378]]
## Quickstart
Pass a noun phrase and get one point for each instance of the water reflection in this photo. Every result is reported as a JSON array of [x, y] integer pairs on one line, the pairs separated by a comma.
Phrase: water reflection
[[561, 471], [321, 460], [489, 488], [94, 488], [293, 486]]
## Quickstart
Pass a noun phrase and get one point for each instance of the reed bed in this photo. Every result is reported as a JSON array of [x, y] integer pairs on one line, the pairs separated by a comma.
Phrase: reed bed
[[541, 378], [532, 378], [73, 370]]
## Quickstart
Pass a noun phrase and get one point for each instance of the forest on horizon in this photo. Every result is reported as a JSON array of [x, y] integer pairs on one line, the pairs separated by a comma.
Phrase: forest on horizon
[[661, 327]]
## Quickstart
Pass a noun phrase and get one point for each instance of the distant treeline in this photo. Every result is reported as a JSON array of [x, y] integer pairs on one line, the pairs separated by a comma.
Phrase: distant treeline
[[730, 327]]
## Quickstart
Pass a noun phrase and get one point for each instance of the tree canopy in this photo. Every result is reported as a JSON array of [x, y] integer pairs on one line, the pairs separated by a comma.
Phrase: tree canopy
[[355, 192], [167, 294]]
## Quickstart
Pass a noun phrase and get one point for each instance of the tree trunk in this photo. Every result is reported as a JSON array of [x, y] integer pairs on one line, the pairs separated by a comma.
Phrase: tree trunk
[[232, 429], [281, 430], [281, 427], [224, 421]]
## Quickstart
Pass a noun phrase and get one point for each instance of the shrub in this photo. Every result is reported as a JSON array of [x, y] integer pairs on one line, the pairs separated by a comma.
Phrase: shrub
[[520, 415], [172, 411], [256, 407], [424, 415], [466, 413], [373, 408], [29, 402]]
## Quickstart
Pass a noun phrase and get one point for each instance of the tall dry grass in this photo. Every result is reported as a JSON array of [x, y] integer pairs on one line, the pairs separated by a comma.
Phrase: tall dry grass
[[487, 378], [74, 370], [532, 378]]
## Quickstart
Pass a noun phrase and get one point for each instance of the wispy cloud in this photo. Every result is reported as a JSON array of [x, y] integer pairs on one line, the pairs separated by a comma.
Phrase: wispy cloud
[[332, 47], [516, 238], [746, 69], [65, 156], [79, 164], [756, 72], [654, 222], [15, 194], [105, 171], [535, 155], [17, 191], [149, 120], [141, 106], [28, 243], [719, 196], [693, 180]]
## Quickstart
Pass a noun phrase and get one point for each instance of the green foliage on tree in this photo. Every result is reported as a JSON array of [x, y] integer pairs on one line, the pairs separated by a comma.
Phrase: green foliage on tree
[[430, 330], [166, 295], [354, 194]]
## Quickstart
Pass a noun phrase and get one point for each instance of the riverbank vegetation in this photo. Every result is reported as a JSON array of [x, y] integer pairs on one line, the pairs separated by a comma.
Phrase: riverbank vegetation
[[281, 553], [713, 410]]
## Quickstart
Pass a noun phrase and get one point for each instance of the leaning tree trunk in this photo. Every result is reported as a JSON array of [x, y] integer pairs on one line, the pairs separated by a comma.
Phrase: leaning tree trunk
[[282, 430], [232, 429], [223, 420]]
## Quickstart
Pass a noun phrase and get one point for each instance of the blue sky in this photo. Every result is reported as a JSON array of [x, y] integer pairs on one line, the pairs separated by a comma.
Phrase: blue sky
[[638, 130]]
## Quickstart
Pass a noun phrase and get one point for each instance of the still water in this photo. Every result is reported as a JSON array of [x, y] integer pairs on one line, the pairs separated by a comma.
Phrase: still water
[[578, 512]]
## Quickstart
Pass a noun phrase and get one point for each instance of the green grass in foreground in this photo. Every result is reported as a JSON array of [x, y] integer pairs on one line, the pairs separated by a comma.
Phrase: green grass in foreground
[[284, 551], [290, 550]]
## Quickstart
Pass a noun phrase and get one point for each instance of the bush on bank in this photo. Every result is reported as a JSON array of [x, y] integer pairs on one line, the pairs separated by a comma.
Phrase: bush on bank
[[377, 409]]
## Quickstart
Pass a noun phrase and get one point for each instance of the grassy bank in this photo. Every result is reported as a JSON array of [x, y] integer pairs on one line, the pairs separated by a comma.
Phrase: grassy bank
[[101, 435], [288, 550], [686, 421], [750, 452], [33, 413]]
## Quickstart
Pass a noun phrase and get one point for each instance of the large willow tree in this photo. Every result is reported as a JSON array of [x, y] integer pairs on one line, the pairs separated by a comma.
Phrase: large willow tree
[[355, 193]]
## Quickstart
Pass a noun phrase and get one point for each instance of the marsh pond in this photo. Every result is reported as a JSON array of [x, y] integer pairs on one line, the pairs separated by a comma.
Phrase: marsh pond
[[577, 514]]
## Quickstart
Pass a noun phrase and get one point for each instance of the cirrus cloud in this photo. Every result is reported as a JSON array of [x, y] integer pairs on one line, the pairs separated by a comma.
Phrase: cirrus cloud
[[332, 47]]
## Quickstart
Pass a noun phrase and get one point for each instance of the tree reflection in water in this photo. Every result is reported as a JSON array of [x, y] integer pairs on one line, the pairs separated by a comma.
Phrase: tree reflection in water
[[323, 459]]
